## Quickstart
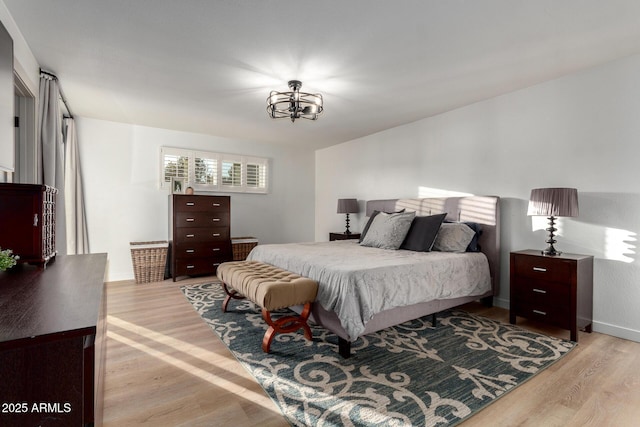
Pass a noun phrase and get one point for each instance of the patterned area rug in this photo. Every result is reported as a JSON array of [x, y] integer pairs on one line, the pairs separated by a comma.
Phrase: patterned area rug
[[411, 374]]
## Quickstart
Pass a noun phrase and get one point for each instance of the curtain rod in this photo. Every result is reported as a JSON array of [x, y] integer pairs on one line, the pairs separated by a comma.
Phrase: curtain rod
[[64, 99]]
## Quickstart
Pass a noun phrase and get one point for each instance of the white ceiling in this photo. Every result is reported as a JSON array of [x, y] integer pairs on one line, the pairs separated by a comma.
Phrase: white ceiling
[[207, 66]]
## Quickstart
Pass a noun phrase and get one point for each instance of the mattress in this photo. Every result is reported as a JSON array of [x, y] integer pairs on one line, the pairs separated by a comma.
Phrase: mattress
[[357, 282]]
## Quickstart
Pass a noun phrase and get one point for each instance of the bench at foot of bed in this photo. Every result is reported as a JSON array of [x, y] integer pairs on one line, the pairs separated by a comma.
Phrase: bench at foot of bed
[[271, 288]]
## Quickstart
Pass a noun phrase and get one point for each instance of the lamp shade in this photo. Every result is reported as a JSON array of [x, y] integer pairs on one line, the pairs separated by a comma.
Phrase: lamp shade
[[553, 202], [347, 206]]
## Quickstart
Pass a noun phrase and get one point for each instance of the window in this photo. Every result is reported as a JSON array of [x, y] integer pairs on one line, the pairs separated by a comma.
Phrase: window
[[208, 171]]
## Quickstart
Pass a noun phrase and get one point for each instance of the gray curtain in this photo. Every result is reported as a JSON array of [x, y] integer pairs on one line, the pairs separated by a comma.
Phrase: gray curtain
[[77, 236], [52, 149]]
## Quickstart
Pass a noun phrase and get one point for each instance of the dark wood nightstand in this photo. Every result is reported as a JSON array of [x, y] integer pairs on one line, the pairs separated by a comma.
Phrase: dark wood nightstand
[[557, 290], [343, 236]]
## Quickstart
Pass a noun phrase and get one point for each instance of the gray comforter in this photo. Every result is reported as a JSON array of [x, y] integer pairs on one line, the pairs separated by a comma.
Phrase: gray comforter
[[357, 282]]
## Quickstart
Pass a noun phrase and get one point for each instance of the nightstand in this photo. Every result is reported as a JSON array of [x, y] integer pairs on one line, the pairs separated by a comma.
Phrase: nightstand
[[556, 290], [343, 236]]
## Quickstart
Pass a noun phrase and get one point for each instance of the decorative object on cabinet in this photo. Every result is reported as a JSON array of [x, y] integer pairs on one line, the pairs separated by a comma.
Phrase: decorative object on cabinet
[[553, 202], [189, 190], [347, 206], [149, 260], [177, 185], [343, 236], [241, 247], [556, 290], [28, 218], [199, 234], [7, 259]]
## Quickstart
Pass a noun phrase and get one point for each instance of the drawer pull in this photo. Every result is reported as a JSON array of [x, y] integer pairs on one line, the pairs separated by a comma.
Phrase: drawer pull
[[190, 219], [191, 266], [216, 249], [216, 205], [216, 234], [191, 235], [540, 291], [216, 219], [190, 251], [541, 269], [542, 313], [190, 204]]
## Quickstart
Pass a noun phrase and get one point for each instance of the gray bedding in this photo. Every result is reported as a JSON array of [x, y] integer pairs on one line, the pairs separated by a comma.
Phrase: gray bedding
[[357, 282]]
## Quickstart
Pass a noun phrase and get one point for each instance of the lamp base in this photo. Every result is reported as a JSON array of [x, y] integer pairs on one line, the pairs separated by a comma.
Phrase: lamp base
[[347, 231], [550, 250]]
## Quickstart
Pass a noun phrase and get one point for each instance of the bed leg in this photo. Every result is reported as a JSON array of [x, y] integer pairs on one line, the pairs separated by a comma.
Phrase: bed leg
[[344, 348], [434, 320], [487, 301]]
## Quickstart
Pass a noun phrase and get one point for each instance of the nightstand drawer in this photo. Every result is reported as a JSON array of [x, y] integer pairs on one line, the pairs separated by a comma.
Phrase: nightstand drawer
[[541, 268], [542, 292], [553, 315]]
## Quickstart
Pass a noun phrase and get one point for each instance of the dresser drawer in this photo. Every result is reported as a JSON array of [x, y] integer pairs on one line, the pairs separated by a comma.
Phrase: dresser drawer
[[197, 266], [202, 249], [200, 234], [550, 314], [201, 219], [541, 268], [189, 203], [542, 292]]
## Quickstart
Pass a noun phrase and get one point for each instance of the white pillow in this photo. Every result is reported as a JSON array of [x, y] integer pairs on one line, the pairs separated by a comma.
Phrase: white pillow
[[387, 231], [453, 237]]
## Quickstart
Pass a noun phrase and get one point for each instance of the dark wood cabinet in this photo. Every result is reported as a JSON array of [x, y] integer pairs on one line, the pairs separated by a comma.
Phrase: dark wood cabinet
[[343, 236], [52, 332], [199, 234], [28, 221], [557, 290]]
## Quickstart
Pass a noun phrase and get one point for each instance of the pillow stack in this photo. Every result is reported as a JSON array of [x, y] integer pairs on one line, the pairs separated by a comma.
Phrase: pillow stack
[[405, 230]]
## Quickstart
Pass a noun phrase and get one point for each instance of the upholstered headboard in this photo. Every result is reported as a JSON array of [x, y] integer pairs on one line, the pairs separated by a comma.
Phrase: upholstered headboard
[[484, 210]]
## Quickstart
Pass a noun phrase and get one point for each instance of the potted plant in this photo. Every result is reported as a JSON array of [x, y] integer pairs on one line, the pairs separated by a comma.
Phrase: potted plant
[[7, 259]]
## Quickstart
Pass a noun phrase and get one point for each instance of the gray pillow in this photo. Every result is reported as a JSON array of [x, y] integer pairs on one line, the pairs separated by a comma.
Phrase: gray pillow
[[387, 231], [453, 237]]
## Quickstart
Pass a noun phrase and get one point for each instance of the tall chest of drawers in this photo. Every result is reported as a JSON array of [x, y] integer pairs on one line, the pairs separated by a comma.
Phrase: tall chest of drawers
[[28, 218], [199, 234], [557, 290]]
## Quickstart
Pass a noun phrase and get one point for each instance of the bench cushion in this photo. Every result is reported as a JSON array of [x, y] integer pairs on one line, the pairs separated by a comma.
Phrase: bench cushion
[[270, 287]]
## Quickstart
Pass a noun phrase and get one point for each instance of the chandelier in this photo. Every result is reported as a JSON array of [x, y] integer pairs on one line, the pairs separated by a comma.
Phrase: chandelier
[[295, 104]]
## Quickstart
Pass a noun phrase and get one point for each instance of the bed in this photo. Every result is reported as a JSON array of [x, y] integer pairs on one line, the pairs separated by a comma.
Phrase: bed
[[365, 289]]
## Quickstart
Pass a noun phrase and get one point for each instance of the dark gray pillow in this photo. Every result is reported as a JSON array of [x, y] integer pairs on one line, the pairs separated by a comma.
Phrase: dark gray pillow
[[423, 232]]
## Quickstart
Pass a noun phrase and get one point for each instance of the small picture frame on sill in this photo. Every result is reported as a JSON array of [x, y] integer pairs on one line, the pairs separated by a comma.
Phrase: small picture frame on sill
[[177, 185]]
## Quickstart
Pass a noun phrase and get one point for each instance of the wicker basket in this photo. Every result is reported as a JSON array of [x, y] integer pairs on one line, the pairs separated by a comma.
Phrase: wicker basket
[[149, 260], [242, 246]]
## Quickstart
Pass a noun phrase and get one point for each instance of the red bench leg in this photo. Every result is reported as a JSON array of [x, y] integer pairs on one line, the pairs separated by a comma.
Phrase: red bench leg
[[231, 294], [285, 325]]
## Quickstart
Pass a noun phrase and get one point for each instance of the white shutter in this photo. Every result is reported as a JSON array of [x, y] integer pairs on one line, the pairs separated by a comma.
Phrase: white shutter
[[175, 164], [207, 171]]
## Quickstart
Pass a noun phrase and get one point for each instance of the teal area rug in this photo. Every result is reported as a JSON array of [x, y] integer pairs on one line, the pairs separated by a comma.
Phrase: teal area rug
[[411, 374]]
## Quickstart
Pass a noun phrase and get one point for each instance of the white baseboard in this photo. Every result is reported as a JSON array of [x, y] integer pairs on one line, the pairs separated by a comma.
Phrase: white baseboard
[[616, 331]]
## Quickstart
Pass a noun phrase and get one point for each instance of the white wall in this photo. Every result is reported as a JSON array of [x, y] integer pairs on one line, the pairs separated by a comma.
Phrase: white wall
[[121, 169], [579, 131]]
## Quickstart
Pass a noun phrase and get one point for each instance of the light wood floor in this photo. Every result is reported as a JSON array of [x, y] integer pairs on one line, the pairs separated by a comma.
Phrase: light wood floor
[[165, 367]]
